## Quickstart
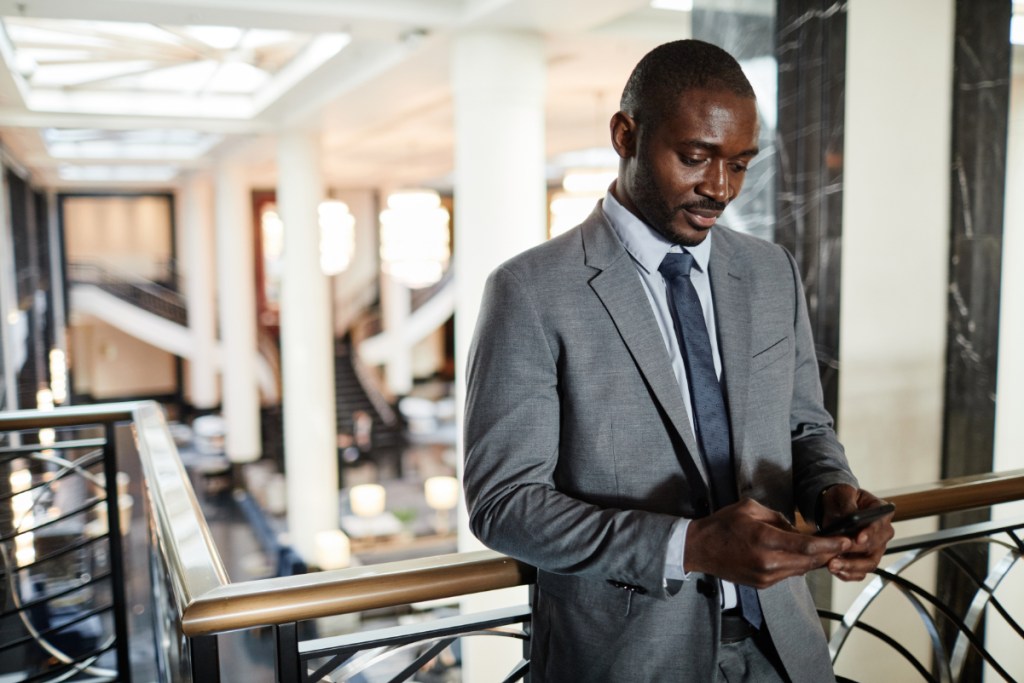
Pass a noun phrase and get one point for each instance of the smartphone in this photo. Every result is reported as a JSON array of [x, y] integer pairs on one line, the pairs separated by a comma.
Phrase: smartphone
[[851, 524]]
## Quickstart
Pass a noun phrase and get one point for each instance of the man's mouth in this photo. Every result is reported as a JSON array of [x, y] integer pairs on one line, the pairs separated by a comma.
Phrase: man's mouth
[[701, 216]]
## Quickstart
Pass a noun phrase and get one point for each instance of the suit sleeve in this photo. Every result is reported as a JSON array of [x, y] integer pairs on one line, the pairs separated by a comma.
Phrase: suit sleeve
[[819, 460], [512, 435]]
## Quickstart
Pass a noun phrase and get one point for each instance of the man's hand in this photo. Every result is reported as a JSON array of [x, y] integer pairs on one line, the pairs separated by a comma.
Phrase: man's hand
[[868, 543], [753, 545]]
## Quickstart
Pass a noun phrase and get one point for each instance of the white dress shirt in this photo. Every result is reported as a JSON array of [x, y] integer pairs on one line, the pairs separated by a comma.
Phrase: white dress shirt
[[647, 249]]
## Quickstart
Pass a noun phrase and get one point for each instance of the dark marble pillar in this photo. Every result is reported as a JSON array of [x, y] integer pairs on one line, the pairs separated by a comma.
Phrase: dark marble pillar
[[811, 51], [981, 99]]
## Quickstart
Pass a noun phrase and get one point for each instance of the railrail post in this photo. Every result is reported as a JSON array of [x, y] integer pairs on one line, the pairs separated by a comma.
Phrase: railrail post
[[124, 670], [289, 664], [205, 658]]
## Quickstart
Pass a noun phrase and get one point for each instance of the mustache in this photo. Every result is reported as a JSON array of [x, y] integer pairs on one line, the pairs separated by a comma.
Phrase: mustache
[[703, 204]]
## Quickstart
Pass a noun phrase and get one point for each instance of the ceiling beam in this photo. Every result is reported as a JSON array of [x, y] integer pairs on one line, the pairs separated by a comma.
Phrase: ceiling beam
[[295, 15], [14, 117]]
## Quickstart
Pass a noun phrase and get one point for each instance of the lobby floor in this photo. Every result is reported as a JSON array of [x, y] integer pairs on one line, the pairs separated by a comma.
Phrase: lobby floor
[[247, 657]]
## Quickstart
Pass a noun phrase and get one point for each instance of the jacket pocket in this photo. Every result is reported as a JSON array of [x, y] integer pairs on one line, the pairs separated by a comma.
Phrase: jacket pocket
[[769, 355]]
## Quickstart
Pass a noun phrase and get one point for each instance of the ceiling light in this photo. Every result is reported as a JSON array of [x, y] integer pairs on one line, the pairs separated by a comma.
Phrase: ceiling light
[[677, 5], [153, 174], [337, 236], [217, 37], [414, 242]]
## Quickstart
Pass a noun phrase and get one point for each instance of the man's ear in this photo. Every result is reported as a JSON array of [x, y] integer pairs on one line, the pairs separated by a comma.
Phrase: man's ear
[[624, 134]]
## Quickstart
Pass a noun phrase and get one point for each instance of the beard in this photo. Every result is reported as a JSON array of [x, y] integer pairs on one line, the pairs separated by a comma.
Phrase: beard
[[659, 214]]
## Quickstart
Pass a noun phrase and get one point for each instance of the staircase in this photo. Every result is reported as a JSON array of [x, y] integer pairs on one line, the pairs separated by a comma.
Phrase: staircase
[[364, 416]]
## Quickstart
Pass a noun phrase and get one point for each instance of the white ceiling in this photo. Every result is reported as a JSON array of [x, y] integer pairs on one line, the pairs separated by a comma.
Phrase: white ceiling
[[383, 102]]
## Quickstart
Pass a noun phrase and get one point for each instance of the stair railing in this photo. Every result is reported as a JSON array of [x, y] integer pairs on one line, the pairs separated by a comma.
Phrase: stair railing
[[132, 288]]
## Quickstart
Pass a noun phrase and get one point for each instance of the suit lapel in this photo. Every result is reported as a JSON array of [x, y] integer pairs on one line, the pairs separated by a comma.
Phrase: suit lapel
[[730, 288], [619, 288]]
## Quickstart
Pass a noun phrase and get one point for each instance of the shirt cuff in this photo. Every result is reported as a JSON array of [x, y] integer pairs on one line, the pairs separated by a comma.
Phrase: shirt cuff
[[675, 551]]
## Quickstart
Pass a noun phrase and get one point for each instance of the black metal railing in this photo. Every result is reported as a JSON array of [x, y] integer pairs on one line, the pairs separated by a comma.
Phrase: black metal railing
[[192, 605], [148, 295], [895, 582], [62, 553]]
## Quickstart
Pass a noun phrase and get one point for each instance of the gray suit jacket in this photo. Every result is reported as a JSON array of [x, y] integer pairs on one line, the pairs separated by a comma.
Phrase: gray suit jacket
[[580, 457]]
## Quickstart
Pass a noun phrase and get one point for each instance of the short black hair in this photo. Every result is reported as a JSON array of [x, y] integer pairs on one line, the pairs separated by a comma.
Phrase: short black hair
[[671, 69]]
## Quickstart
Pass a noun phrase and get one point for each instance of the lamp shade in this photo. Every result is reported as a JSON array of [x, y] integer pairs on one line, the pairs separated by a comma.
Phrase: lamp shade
[[442, 493], [333, 549], [367, 500]]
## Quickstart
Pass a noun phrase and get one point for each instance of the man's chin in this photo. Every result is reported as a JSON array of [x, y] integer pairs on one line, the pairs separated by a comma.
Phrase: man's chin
[[687, 235]]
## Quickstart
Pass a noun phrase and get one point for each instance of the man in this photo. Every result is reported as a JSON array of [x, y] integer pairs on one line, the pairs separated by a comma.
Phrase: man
[[644, 414]]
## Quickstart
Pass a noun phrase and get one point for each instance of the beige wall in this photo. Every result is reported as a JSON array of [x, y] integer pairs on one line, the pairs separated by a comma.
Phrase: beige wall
[[109, 364], [894, 270], [1009, 446], [131, 234]]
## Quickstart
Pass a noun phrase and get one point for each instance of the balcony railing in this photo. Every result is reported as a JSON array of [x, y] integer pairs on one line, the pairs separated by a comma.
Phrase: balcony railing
[[194, 603]]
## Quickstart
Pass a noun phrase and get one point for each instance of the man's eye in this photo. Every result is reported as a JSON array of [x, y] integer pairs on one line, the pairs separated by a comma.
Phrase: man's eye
[[691, 161], [738, 168]]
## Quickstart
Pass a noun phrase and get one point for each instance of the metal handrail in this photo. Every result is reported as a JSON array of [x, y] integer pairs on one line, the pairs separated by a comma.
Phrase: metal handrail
[[956, 494], [210, 603]]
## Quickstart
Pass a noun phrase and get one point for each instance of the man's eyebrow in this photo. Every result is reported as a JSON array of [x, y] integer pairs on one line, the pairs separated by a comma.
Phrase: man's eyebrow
[[711, 147]]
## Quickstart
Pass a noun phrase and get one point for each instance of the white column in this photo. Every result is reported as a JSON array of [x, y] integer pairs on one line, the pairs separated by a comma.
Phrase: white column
[[197, 251], [236, 289], [500, 210], [894, 263], [1009, 436], [307, 348], [396, 306], [500, 190]]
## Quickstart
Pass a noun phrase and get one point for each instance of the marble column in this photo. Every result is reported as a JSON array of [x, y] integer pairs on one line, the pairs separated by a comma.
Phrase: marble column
[[307, 348], [500, 210], [806, 149], [236, 290], [981, 97], [811, 53], [200, 290]]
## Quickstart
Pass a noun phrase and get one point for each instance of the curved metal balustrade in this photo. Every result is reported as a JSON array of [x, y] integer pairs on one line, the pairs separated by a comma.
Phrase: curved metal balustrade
[[947, 664], [64, 614], [194, 600]]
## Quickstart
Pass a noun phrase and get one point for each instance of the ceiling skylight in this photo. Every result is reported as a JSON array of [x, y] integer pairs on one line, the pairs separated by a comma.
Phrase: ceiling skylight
[[150, 143], [108, 174], [133, 68]]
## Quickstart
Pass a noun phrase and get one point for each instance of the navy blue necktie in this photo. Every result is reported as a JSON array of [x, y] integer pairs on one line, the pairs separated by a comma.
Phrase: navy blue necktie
[[710, 420]]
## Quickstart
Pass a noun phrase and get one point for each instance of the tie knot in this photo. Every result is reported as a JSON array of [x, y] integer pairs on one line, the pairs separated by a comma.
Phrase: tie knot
[[676, 264]]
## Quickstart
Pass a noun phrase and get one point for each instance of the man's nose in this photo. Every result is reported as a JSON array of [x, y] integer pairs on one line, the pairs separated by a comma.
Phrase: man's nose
[[715, 183]]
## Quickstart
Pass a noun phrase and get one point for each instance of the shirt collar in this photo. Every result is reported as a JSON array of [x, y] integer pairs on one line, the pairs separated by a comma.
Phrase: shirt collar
[[644, 244]]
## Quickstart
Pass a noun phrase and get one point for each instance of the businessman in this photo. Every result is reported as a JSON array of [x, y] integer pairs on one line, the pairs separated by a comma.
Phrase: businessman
[[644, 414]]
